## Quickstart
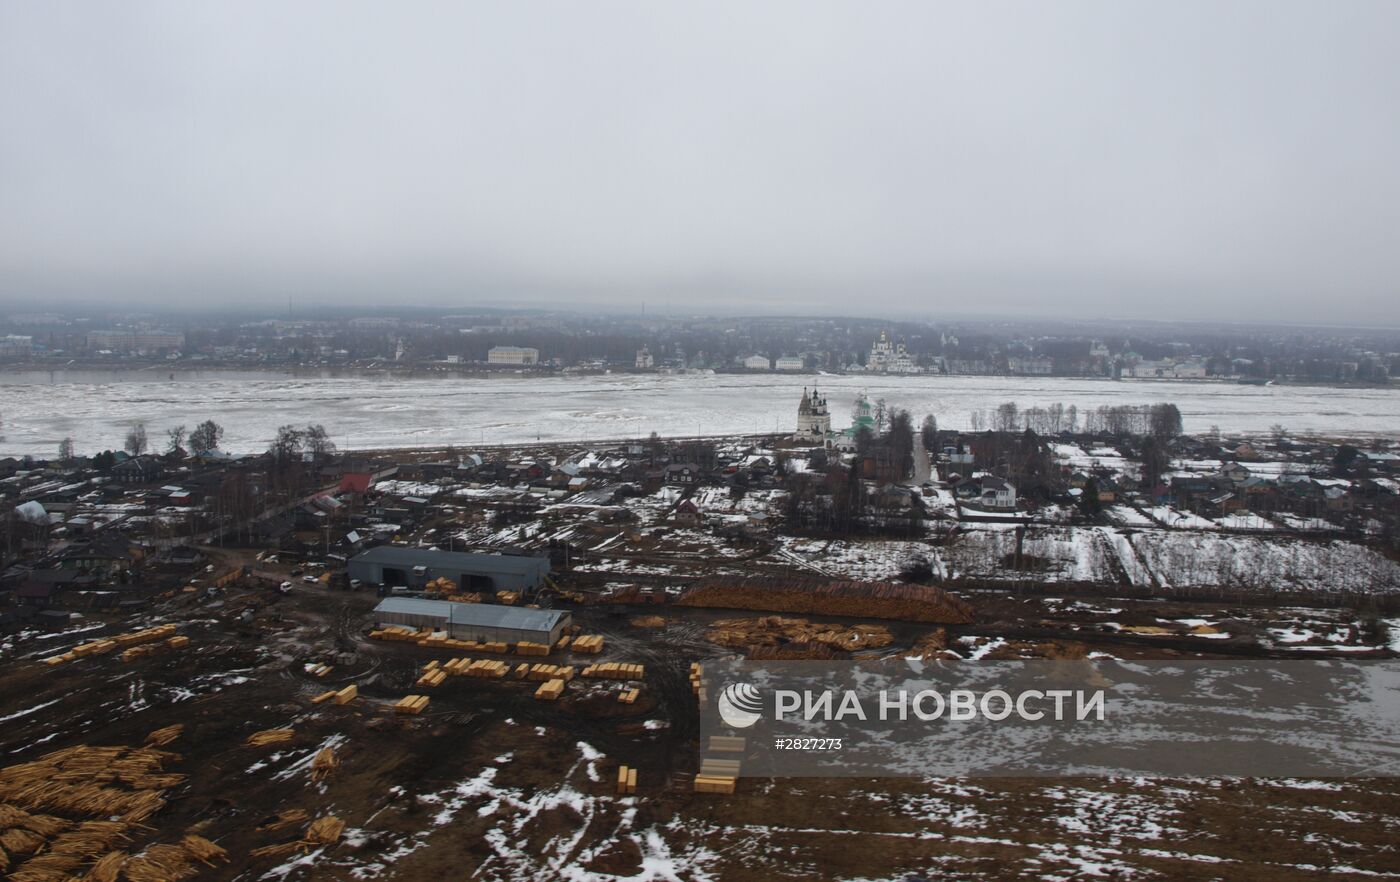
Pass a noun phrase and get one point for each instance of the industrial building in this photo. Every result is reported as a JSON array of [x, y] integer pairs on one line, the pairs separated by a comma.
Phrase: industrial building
[[475, 621], [415, 567]]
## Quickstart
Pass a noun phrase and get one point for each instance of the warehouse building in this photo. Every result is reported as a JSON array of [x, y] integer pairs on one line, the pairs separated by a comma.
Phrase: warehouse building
[[415, 567], [475, 621]]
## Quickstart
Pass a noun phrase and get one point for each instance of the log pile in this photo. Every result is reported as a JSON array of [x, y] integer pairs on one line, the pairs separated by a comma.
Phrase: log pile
[[70, 814], [324, 764], [615, 671], [524, 647], [270, 736], [628, 696], [162, 737], [863, 600], [348, 694], [323, 831], [591, 644], [509, 598]]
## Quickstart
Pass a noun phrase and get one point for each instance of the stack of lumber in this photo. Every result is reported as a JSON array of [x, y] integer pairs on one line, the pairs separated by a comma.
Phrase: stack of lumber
[[713, 767], [348, 694], [779, 631], [270, 736], [726, 744], [457, 666], [398, 633], [443, 642], [324, 763], [865, 600], [324, 697], [626, 780], [319, 670], [628, 696], [564, 642], [470, 597], [591, 644], [484, 667], [432, 678], [551, 672], [550, 691], [524, 647], [178, 642], [162, 737], [715, 783], [411, 704], [615, 671], [697, 680], [441, 585], [148, 635], [509, 598]]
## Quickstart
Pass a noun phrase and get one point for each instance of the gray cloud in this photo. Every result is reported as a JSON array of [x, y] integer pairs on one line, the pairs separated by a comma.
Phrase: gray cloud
[[1185, 159]]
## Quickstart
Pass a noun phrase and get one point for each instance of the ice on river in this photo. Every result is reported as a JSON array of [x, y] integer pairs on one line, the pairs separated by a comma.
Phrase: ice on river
[[96, 408]]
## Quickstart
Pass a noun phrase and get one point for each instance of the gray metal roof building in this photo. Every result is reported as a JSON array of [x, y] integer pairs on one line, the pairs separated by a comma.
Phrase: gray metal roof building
[[475, 621], [415, 567]]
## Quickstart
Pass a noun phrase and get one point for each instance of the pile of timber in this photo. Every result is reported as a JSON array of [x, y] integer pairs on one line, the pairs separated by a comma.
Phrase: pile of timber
[[592, 644], [864, 600], [777, 631], [550, 691], [485, 667], [162, 737], [525, 647], [399, 633], [629, 696], [146, 650], [442, 641], [339, 696], [325, 830], [324, 763], [319, 670], [626, 780], [697, 680], [614, 671], [131, 639], [715, 783], [563, 642], [509, 598], [65, 814], [550, 672], [432, 678], [270, 736], [411, 704]]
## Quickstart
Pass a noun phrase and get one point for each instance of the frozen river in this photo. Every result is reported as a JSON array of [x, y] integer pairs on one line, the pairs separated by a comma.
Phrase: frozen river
[[96, 408]]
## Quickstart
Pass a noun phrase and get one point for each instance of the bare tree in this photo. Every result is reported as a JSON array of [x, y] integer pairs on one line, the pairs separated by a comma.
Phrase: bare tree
[[175, 439], [136, 442], [65, 451], [318, 441], [206, 437]]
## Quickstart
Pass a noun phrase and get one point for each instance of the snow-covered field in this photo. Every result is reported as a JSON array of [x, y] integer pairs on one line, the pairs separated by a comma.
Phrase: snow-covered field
[[95, 409]]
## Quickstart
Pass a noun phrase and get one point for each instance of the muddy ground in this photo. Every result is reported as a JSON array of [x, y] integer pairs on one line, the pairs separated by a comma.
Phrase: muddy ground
[[491, 784]]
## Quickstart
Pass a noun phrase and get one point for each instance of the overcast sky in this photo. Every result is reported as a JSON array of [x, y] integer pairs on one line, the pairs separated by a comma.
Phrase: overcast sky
[[1162, 160]]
